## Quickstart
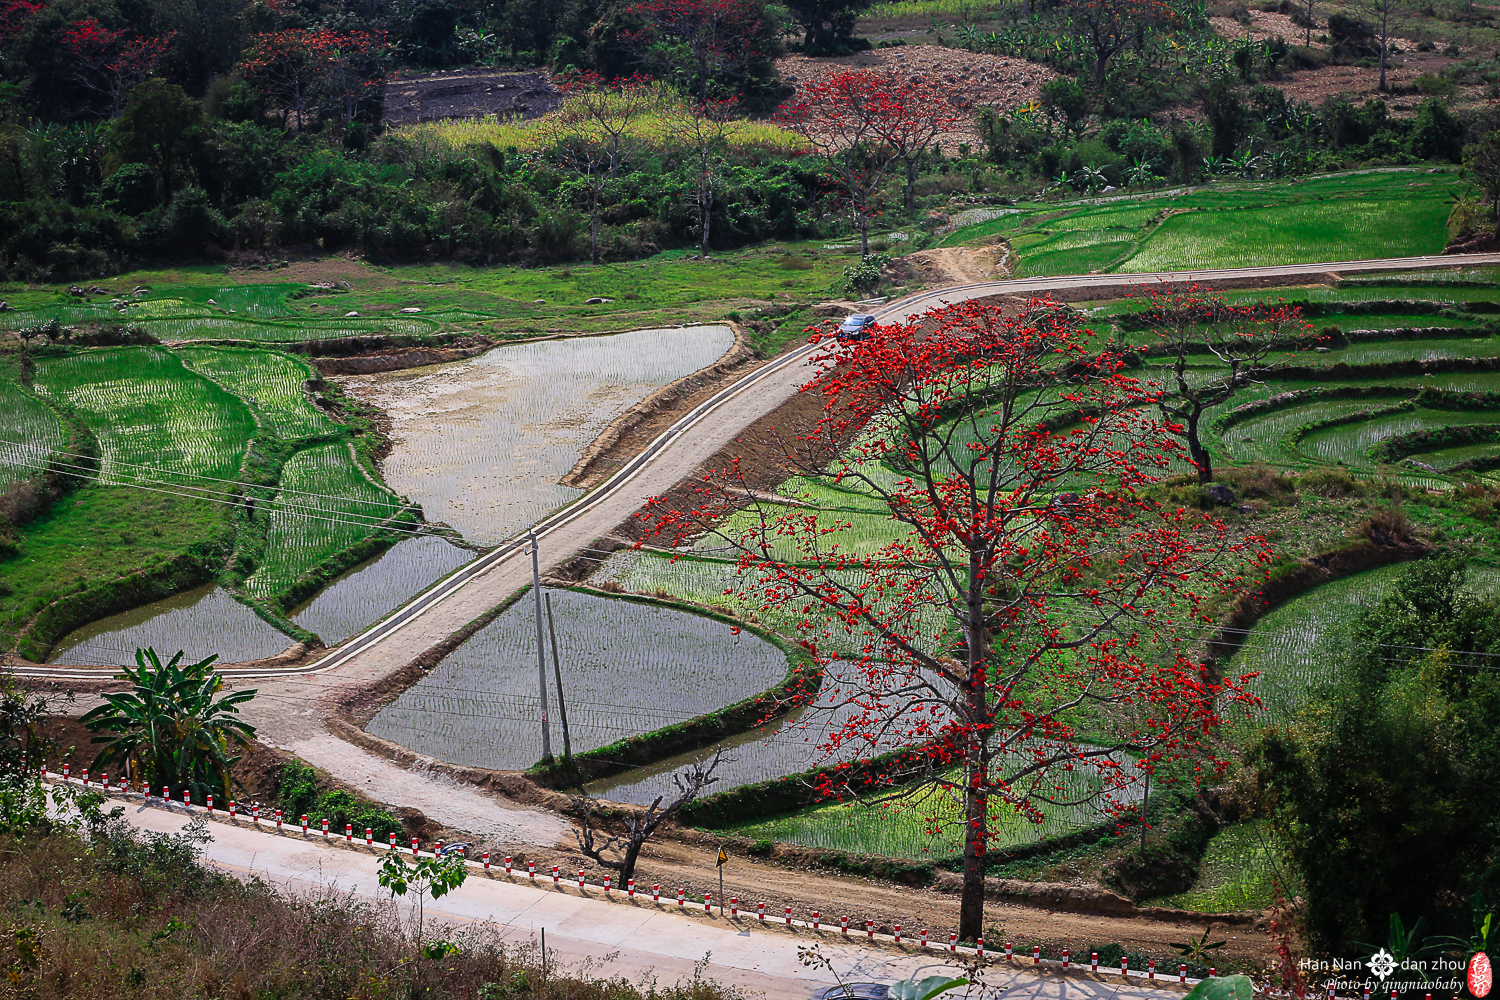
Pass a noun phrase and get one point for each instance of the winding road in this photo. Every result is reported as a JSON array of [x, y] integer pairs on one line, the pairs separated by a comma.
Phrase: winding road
[[290, 709]]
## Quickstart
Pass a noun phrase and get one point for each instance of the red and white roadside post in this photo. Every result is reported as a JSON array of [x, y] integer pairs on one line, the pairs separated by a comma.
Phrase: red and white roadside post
[[325, 827], [1094, 961], [734, 907], [924, 937], [979, 948], [844, 926], [1151, 969], [348, 833], [816, 917], [486, 861], [1182, 974], [708, 898], [655, 892], [233, 805], [789, 916], [1125, 968], [414, 847], [555, 879], [304, 824], [952, 941], [898, 933], [1065, 958], [681, 897], [1036, 954], [870, 929], [630, 888], [760, 913], [369, 836]]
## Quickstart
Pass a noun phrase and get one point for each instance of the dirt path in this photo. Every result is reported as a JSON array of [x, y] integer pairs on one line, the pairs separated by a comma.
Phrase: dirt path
[[962, 265]]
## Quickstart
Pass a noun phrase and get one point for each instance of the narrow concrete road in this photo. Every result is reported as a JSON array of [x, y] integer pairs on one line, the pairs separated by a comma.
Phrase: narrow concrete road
[[622, 937]]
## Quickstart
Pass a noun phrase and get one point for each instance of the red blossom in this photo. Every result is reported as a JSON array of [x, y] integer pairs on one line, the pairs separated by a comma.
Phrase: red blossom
[[1036, 615]]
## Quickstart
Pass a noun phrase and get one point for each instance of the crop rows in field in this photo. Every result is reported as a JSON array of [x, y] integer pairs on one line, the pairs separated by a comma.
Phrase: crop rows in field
[[363, 595], [200, 622], [628, 668], [30, 431], [326, 504], [273, 385], [482, 443], [1344, 217]]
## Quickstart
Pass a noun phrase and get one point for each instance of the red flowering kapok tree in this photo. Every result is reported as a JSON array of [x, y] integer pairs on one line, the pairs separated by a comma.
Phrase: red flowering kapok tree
[[13, 14], [1244, 341], [1025, 641], [298, 70], [356, 65], [913, 116], [110, 62], [700, 38], [847, 117], [1107, 26]]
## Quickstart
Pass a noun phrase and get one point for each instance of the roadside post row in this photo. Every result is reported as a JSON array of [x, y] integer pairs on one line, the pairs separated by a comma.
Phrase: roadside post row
[[258, 817]]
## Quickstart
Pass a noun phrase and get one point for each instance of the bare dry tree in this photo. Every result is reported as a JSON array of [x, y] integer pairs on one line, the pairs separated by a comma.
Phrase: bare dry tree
[[640, 827]]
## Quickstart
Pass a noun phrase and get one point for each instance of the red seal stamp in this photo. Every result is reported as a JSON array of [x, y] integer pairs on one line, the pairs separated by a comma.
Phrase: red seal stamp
[[1481, 975]]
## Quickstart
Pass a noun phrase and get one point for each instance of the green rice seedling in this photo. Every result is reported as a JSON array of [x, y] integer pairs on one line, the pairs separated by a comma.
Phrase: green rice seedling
[[1349, 444], [272, 384], [1265, 438], [154, 419], [66, 313], [1382, 351], [628, 668], [29, 430], [325, 504]]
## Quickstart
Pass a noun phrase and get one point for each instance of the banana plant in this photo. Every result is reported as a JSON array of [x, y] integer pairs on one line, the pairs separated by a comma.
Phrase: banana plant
[[170, 728], [1091, 178]]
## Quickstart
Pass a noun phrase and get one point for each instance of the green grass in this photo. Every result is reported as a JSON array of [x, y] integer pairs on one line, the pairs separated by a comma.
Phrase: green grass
[[273, 385], [1237, 873], [1232, 223], [930, 825], [296, 543]]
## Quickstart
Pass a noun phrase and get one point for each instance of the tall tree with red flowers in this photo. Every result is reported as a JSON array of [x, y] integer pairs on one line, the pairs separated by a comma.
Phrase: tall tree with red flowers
[[1185, 328], [912, 117], [285, 67], [701, 38], [1024, 642], [847, 117], [13, 13], [112, 61], [1108, 26]]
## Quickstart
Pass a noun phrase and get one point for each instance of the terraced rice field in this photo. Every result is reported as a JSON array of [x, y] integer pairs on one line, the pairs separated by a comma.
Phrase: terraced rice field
[[1349, 444], [481, 443], [201, 621], [152, 416], [326, 504], [272, 384], [628, 668], [1388, 213], [30, 431], [361, 596]]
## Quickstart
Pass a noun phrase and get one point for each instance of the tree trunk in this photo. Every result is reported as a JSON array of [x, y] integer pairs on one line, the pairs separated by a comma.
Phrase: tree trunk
[[1384, 46], [706, 209], [594, 228], [863, 222], [976, 796], [911, 184], [1099, 61], [1198, 453]]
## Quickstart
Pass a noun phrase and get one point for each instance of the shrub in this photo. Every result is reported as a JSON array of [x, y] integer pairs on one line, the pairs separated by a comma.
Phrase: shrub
[[299, 791], [1330, 483]]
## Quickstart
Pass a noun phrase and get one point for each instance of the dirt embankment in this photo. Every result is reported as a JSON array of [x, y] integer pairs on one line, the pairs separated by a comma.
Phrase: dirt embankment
[[976, 80], [469, 94]]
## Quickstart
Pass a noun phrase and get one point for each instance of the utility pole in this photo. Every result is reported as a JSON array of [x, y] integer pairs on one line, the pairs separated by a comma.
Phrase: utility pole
[[541, 650], [562, 705]]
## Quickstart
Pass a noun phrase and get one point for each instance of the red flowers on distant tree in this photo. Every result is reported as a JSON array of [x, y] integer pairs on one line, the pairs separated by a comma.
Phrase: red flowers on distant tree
[[111, 62], [1026, 641], [702, 38], [13, 13], [297, 69], [862, 122]]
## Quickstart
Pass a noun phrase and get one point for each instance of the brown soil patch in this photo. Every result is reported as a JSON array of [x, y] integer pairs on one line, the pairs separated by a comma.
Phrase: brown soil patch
[[469, 94], [977, 80], [962, 265], [405, 357]]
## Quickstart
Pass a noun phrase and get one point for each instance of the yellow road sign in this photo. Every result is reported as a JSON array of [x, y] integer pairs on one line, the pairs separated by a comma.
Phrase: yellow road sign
[[723, 857]]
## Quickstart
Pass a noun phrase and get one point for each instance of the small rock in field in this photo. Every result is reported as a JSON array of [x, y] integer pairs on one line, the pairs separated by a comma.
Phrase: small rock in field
[[596, 300], [351, 315], [1219, 493], [411, 309], [538, 302], [6, 307], [212, 302]]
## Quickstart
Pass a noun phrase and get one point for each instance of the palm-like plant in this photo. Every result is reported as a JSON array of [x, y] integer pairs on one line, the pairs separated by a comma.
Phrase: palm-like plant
[[170, 728]]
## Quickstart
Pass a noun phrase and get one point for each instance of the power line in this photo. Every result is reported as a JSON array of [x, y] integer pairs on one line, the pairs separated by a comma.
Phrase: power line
[[185, 475]]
